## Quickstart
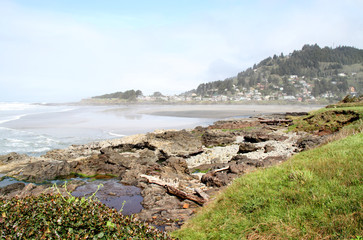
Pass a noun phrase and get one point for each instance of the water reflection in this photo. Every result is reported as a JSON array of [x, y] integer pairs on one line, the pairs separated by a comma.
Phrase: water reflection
[[113, 194]]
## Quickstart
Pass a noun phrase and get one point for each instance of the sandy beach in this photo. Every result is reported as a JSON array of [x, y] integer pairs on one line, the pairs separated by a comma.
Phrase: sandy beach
[[38, 130], [224, 111]]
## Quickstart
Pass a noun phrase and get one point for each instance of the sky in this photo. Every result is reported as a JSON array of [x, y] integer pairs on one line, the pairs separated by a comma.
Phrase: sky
[[67, 50]]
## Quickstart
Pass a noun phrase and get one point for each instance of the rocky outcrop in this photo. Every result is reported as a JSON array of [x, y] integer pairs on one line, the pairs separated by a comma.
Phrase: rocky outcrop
[[247, 147], [235, 124], [12, 188], [175, 143], [212, 138], [21, 190], [308, 142], [42, 170], [12, 158]]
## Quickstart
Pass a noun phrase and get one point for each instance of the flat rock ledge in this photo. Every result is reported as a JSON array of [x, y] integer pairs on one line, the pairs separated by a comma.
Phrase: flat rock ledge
[[187, 166]]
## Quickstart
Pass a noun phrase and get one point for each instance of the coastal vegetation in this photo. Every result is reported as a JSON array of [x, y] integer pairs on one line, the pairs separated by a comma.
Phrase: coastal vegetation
[[316, 194], [332, 118], [53, 216], [129, 95]]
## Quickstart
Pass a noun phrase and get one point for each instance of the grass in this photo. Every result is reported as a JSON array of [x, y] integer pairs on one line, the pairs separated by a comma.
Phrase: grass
[[316, 194]]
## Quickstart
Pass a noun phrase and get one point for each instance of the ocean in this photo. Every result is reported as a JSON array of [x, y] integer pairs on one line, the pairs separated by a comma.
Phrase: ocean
[[34, 129]]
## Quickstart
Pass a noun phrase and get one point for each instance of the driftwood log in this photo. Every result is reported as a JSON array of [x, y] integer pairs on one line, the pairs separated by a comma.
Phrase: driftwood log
[[219, 170], [172, 189]]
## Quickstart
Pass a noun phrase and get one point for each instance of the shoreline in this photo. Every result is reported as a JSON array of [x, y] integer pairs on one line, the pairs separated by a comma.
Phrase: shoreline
[[203, 159], [220, 112]]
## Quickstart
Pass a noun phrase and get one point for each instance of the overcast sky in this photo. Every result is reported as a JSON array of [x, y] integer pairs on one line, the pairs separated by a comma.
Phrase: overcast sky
[[66, 50]]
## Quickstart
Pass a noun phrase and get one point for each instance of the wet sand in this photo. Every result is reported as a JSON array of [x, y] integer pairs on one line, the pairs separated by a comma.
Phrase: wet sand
[[225, 111]]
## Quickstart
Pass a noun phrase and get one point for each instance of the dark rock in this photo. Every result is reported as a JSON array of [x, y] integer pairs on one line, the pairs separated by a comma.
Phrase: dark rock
[[177, 165], [236, 168], [218, 138], [44, 170], [308, 142], [208, 167], [12, 157], [234, 124], [175, 143], [269, 148], [247, 147], [270, 161], [246, 162], [211, 180], [295, 114], [240, 158], [102, 164], [11, 188], [259, 164], [256, 137]]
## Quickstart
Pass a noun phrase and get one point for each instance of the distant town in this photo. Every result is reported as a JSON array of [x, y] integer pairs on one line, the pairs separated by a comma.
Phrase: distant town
[[309, 75]]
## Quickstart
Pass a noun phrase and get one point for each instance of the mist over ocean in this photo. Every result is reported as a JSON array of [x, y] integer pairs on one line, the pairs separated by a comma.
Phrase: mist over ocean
[[35, 129]]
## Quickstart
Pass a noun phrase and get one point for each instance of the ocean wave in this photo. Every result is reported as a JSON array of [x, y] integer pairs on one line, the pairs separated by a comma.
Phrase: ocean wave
[[20, 141], [16, 106], [116, 134], [15, 111], [12, 118]]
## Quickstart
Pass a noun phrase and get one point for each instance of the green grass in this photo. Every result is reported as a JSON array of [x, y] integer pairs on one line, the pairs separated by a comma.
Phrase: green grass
[[317, 194]]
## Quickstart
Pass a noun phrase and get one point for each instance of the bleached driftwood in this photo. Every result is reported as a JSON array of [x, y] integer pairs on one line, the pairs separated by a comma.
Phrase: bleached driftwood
[[201, 193], [172, 189], [219, 170]]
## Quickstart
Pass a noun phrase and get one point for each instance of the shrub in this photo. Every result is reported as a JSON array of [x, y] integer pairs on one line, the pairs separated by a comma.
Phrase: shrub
[[52, 216]]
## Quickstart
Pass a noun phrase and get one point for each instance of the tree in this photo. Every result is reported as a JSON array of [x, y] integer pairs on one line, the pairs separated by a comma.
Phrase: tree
[[139, 93], [316, 89], [157, 94]]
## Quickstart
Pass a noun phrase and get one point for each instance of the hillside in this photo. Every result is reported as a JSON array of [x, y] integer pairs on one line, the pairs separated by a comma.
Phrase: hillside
[[308, 74]]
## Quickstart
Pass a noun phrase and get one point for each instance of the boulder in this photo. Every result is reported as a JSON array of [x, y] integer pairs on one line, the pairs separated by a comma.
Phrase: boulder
[[269, 148], [234, 124], [247, 147], [237, 168], [11, 188], [257, 137], [218, 138], [308, 142], [13, 158], [175, 143], [177, 165], [42, 170], [212, 179]]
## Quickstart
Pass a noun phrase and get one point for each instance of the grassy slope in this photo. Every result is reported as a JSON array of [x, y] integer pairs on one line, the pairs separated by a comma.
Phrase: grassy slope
[[316, 194]]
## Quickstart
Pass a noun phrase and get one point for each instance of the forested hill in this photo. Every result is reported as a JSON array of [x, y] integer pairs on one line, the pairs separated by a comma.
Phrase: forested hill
[[309, 73], [130, 95]]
